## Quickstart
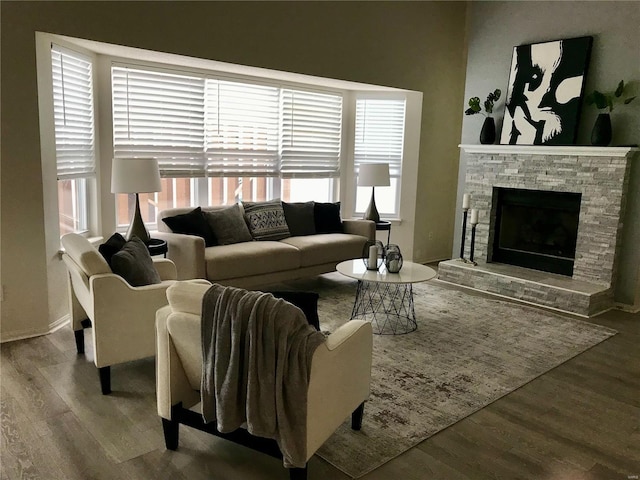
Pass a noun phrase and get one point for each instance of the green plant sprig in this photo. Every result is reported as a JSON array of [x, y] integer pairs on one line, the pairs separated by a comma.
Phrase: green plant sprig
[[474, 104], [608, 99]]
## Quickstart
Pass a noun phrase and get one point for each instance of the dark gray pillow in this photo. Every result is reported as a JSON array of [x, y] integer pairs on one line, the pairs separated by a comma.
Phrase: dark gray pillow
[[300, 218], [228, 225], [266, 220], [134, 264]]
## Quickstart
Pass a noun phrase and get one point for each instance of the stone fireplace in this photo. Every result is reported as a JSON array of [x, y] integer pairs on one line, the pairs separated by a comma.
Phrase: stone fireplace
[[550, 223]]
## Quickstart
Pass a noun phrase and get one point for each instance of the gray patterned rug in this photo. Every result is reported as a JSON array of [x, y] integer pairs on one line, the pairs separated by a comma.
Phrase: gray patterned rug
[[467, 352]]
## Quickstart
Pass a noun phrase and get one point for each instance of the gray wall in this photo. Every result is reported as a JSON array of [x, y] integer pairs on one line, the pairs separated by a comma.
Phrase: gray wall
[[494, 28]]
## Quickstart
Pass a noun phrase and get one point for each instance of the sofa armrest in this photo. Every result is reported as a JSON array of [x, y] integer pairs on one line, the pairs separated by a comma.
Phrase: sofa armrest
[[339, 381], [165, 268], [364, 228], [187, 252], [172, 383], [123, 318]]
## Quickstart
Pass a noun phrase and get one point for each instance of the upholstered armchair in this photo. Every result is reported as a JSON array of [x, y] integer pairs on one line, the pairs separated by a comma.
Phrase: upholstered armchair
[[121, 316], [338, 384]]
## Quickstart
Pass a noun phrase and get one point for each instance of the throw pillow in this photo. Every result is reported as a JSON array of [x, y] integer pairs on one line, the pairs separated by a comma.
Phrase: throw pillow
[[327, 218], [112, 246], [305, 301], [228, 225], [134, 264], [300, 218], [266, 220], [192, 223]]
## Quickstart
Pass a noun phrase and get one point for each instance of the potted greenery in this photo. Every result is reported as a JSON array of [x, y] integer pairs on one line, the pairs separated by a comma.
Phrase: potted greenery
[[488, 132], [602, 133]]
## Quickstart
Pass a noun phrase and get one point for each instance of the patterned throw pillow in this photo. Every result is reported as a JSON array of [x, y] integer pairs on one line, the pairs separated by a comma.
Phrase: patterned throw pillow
[[266, 220]]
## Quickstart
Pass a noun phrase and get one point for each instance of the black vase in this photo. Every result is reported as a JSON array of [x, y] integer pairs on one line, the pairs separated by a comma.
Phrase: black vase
[[488, 132], [601, 133]]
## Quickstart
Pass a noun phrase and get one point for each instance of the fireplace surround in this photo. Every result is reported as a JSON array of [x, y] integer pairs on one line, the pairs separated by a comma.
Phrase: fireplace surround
[[597, 176]]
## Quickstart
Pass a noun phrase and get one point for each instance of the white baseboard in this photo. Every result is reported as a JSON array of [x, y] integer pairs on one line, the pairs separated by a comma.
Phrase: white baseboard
[[21, 335]]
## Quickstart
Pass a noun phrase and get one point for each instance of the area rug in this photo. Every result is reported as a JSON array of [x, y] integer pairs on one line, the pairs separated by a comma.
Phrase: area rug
[[467, 352]]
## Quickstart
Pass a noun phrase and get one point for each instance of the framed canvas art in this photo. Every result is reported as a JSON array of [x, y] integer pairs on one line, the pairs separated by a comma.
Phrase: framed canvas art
[[544, 96]]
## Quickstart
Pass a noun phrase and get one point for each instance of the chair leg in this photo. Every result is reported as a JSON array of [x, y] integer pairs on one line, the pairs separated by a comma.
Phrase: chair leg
[[298, 473], [171, 429], [105, 379], [356, 417], [79, 334]]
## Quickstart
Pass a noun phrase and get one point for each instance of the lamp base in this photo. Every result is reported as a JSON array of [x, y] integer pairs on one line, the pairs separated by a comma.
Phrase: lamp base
[[137, 226], [372, 211]]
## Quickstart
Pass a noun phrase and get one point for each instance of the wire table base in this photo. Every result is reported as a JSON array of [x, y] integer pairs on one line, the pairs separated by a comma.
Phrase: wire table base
[[388, 306]]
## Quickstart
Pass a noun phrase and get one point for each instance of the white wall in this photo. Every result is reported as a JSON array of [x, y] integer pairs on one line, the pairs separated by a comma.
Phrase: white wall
[[494, 28]]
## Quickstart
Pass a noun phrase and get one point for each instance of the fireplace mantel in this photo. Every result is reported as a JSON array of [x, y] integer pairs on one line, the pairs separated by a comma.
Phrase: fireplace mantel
[[573, 150]]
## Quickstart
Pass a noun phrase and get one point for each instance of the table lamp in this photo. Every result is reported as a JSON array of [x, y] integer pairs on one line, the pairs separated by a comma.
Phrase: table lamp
[[136, 175], [373, 175]]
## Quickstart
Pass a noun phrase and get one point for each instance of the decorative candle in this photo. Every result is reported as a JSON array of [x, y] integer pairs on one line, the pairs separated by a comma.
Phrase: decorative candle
[[466, 200], [474, 216], [373, 257]]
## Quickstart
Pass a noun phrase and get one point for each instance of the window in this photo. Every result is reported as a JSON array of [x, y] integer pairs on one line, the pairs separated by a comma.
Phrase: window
[[74, 135], [379, 138], [253, 141]]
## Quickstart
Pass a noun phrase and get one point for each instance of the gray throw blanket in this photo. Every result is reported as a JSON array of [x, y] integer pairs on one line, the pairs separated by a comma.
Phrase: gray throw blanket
[[257, 353]]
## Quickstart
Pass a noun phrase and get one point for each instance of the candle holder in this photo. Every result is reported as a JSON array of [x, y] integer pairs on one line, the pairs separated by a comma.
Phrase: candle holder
[[464, 232], [373, 254], [473, 243]]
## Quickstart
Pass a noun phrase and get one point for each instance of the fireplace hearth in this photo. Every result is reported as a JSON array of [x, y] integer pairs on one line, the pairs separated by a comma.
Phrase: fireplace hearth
[[536, 229], [550, 224]]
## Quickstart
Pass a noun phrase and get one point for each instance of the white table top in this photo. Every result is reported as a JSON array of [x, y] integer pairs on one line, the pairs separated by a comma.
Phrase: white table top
[[410, 272]]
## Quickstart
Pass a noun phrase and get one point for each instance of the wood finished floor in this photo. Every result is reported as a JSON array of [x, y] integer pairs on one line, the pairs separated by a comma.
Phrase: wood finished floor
[[580, 421]]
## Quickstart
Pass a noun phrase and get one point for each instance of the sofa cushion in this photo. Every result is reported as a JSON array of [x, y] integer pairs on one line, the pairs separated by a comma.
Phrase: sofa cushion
[[327, 248], [249, 258], [228, 225], [112, 246], [266, 220], [300, 218], [134, 264], [327, 217], [192, 223]]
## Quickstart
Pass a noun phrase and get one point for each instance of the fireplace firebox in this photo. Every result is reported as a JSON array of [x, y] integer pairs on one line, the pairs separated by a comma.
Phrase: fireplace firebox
[[536, 229]]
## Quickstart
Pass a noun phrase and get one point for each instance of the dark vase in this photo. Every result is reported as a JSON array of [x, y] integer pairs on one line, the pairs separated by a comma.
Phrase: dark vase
[[601, 133], [488, 132]]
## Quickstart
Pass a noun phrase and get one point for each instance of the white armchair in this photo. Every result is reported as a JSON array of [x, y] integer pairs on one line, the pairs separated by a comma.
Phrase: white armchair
[[121, 316], [338, 384]]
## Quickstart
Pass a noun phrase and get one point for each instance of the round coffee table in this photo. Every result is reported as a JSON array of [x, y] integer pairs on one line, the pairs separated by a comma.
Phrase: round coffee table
[[386, 299]]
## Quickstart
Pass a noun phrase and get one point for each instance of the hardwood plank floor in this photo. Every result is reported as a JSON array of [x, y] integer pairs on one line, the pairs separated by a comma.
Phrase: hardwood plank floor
[[580, 421]]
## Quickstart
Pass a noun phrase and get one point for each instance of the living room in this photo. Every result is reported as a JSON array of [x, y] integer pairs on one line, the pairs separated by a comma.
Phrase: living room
[[448, 51]]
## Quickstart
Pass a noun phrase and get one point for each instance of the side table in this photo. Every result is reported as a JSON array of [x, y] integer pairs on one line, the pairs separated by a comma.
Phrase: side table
[[382, 226], [157, 247]]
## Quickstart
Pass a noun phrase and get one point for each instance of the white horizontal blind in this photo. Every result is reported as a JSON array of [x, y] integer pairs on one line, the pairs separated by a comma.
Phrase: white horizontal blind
[[242, 125], [160, 115], [311, 133], [379, 134], [73, 111]]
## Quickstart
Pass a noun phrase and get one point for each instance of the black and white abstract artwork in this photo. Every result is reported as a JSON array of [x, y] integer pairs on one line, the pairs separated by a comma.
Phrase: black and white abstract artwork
[[546, 85]]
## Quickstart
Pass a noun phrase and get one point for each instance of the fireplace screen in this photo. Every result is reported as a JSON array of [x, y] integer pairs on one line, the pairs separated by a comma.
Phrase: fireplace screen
[[536, 229]]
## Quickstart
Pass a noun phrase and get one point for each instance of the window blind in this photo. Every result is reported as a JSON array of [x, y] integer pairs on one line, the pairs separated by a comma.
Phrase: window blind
[[160, 115], [311, 133], [241, 129], [73, 111], [379, 133]]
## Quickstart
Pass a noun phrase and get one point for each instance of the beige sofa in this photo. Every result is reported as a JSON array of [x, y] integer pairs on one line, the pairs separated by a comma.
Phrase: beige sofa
[[339, 380], [258, 263]]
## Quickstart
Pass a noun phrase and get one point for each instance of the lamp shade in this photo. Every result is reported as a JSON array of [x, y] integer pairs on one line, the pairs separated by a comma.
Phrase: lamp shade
[[374, 175], [135, 175]]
